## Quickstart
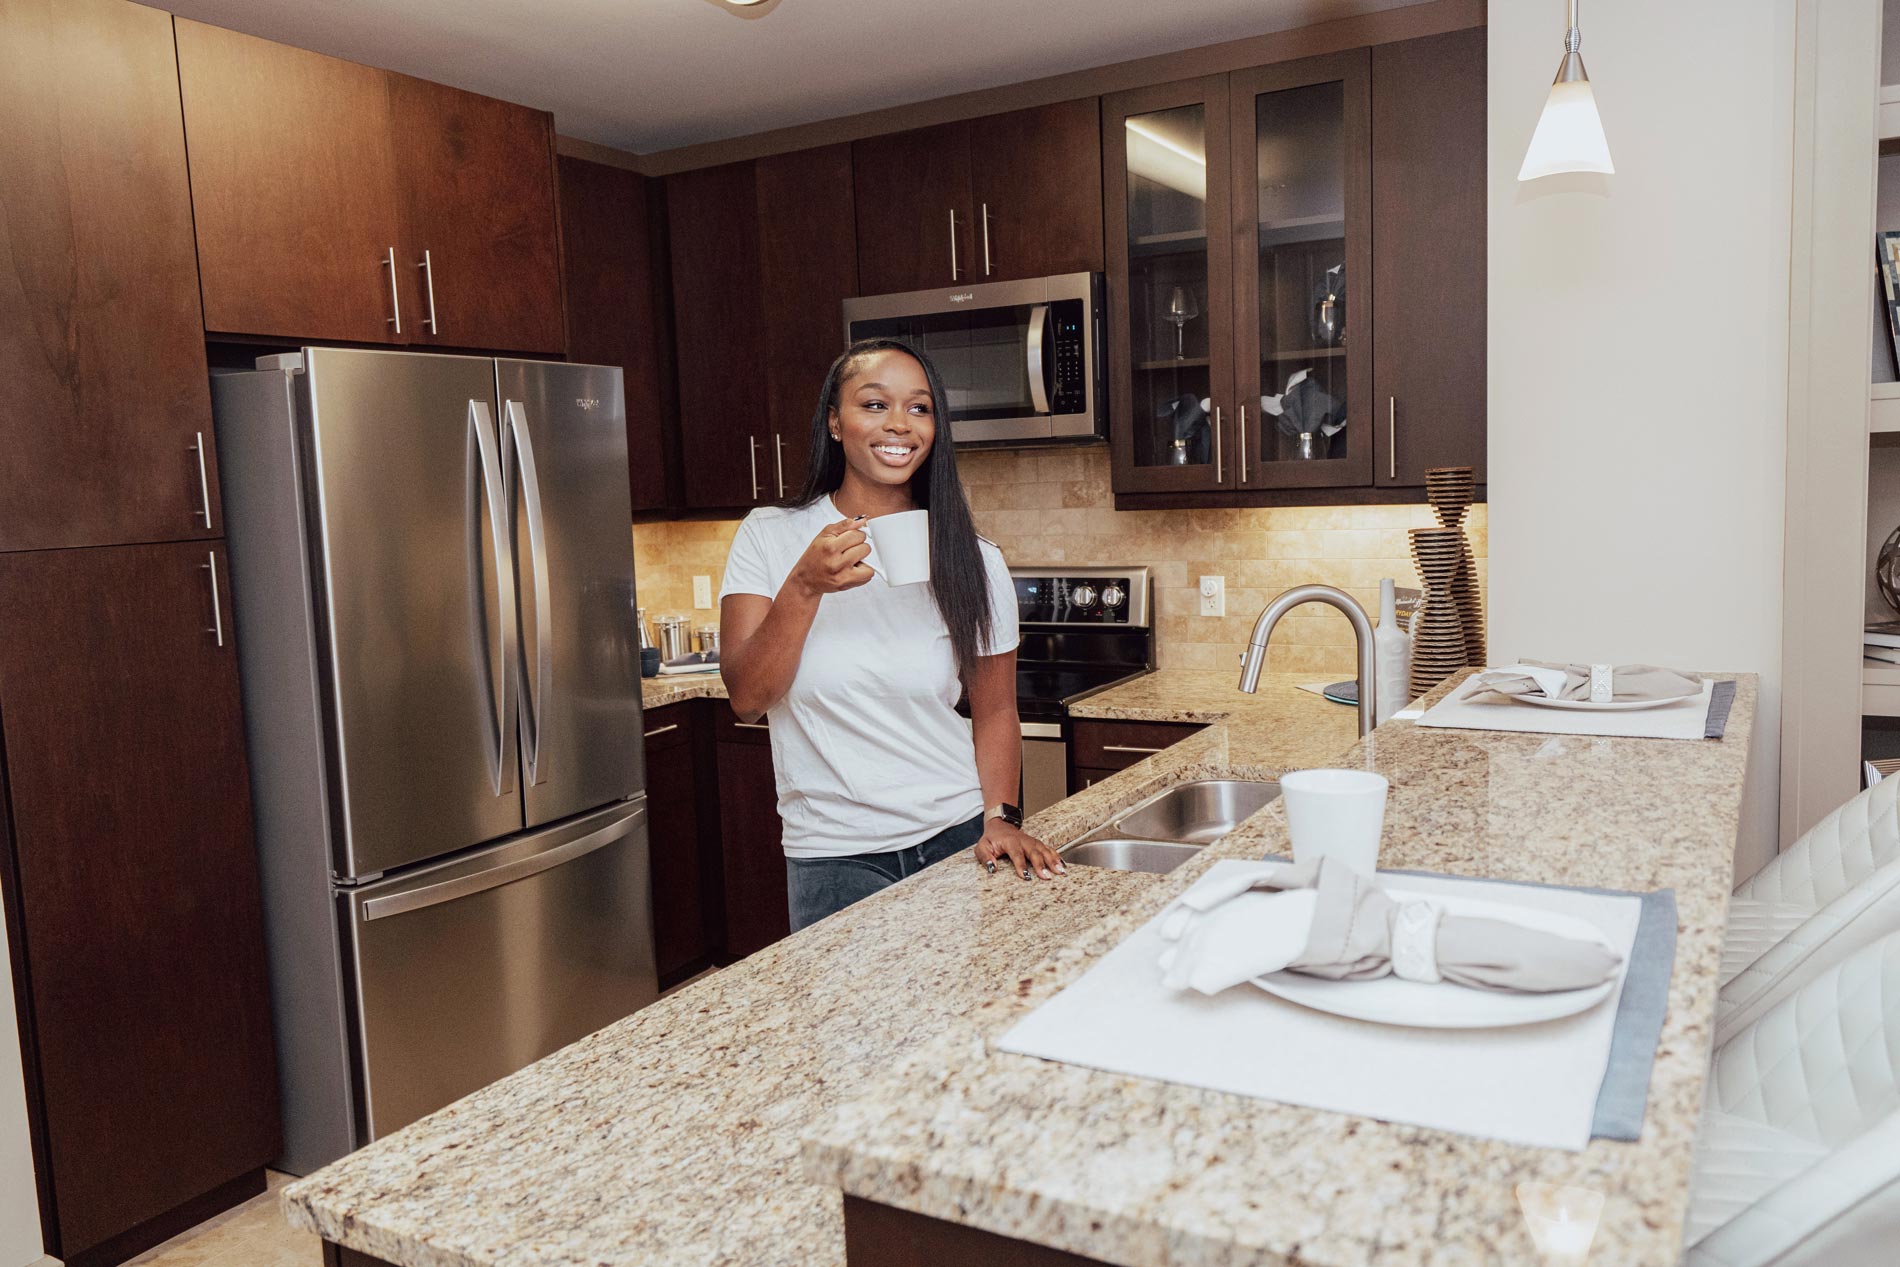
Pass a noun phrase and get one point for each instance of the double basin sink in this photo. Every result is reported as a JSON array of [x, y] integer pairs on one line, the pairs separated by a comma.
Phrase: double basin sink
[[1167, 829]]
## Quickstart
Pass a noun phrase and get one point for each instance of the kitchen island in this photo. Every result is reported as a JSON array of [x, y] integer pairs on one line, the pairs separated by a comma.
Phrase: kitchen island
[[720, 1124]]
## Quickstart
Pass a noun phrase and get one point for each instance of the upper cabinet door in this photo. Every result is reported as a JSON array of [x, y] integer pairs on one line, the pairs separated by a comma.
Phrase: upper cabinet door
[[1303, 277], [1037, 189], [1170, 270], [480, 258], [914, 228], [104, 408], [808, 267], [1428, 217], [293, 183]]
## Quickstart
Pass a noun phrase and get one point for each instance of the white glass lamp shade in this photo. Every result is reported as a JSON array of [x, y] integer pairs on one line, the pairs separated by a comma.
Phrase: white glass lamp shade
[[1569, 136]]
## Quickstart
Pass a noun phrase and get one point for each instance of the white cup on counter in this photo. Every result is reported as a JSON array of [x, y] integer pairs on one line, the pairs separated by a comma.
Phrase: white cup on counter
[[900, 546], [1338, 814]]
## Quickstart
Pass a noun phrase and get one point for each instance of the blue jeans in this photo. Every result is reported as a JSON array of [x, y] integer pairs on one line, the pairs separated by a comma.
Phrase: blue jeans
[[817, 887]]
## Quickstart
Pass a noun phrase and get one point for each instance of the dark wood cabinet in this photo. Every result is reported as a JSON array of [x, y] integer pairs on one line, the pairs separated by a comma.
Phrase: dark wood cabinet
[[763, 257], [319, 185], [1428, 213], [478, 186], [683, 840], [751, 850], [992, 199], [134, 890], [613, 253], [104, 409], [1116, 745]]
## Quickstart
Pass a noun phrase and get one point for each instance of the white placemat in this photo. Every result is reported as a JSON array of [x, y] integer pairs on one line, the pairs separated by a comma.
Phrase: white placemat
[[1684, 719], [1532, 1084]]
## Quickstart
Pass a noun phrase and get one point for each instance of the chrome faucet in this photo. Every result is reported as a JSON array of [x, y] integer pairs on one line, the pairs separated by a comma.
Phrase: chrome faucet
[[1255, 655]]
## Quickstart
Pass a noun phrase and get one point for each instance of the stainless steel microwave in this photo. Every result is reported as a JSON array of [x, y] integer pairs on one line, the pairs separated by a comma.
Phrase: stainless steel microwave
[[1022, 362]]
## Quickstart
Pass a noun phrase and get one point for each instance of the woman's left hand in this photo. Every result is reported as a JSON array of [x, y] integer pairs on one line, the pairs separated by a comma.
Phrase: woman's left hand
[[1027, 856]]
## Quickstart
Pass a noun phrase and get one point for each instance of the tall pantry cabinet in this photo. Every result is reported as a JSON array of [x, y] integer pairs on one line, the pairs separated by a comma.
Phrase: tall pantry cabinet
[[127, 864]]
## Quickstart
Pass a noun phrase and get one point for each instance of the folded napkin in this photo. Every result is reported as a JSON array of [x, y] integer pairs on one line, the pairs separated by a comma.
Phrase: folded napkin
[[1572, 681], [692, 662], [1327, 920]]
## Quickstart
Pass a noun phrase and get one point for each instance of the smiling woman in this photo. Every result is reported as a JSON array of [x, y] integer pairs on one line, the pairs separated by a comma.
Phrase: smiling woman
[[877, 775]]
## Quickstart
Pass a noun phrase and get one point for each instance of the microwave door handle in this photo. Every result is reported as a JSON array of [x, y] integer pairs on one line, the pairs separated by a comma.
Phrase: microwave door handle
[[1038, 325]]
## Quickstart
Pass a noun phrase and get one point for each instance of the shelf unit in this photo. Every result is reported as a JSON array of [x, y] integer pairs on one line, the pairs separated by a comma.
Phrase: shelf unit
[[1880, 683]]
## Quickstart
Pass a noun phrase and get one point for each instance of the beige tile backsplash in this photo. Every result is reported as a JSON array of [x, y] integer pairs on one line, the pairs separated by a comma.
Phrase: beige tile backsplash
[[1056, 507]]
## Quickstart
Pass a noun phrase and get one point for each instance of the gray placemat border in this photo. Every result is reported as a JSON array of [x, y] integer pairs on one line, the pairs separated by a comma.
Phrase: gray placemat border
[[1721, 699]]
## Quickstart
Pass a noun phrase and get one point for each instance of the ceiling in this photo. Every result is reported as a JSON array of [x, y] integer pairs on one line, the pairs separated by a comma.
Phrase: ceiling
[[648, 75]]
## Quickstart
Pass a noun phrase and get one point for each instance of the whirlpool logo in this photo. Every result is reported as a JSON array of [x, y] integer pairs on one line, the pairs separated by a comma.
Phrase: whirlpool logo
[[587, 402], [964, 297]]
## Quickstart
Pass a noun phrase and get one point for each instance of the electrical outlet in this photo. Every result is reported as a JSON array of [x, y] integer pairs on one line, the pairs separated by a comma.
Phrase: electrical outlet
[[702, 591], [1213, 596]]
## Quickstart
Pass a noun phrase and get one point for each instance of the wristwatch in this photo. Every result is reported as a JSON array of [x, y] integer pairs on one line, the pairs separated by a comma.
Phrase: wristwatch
[[1005, 811]]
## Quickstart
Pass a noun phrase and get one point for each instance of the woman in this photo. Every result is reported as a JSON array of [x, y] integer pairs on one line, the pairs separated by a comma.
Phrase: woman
[[877, 775]]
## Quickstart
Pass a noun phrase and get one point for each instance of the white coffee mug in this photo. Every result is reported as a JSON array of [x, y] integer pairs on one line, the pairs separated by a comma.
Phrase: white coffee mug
[[1337, 814], [900, 546]]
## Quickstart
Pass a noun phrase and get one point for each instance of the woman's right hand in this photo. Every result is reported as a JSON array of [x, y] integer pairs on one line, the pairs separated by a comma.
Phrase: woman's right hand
[[834, 561]]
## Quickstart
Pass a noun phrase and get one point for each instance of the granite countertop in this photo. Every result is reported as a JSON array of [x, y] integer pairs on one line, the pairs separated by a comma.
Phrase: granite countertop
[[719, 1124], [658, 692]]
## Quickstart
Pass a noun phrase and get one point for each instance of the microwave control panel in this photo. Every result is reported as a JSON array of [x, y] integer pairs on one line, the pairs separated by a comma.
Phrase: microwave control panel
[[1068, 330]]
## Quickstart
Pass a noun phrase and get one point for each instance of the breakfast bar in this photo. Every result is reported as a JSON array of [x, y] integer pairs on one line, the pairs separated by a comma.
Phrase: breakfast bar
[[839, 1098]]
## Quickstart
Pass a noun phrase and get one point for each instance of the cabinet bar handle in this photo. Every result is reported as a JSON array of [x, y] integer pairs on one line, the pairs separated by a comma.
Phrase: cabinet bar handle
[[1117, 747], [217, 610], [1392, 437], [1241, 435], [954, 274], [1219, 475], [428, 275], [661, 730], [752, 725], [986, 239], [778, 460], [752, 447], [395, 299], [204, 481]]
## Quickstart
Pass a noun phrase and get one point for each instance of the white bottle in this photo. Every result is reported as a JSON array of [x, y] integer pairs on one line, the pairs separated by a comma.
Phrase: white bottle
[[1391, 656]]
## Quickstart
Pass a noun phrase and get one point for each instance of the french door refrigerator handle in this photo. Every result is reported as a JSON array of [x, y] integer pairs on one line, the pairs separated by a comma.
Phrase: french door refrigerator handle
[[1038, 324], [484, 461], [506, 873], [533, 700]]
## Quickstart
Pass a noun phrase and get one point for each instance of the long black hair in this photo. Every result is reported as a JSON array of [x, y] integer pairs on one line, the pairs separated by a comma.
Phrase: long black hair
[[959, 581]]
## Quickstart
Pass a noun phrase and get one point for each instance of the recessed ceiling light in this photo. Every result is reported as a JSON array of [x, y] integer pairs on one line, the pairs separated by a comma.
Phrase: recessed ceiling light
[[746, 8]]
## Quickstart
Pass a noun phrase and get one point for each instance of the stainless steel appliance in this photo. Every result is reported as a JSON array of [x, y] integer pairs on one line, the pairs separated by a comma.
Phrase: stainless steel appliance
[[1083, 631], [433, 586], [1023, 363]]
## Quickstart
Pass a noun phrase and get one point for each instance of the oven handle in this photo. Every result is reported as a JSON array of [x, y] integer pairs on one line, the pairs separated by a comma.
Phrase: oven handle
[[1042, 730], [1038, 324]]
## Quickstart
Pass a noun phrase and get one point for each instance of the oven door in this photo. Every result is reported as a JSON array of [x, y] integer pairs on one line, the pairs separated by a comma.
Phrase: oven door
[[1018, 359], [1045, 766]]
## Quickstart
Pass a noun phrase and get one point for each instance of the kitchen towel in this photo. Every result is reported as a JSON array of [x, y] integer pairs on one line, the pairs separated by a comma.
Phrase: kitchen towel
[[1541, 1085], [1683, 719]]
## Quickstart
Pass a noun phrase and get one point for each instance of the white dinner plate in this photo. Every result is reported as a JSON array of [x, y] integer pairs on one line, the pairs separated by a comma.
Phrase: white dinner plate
[[1603, 706], [1391, 1001]]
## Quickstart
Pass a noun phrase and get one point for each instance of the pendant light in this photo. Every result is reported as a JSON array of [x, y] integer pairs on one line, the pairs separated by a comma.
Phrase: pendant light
[[1569, 136]]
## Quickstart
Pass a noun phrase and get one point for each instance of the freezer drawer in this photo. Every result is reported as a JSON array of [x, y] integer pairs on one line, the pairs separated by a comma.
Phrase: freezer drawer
[[469, 970]]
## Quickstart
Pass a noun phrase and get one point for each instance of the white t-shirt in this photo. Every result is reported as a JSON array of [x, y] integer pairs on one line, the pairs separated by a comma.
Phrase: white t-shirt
[[868, 750]]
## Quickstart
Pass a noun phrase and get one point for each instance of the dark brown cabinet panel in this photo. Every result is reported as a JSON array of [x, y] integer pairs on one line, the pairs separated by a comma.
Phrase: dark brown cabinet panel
[[478, 175], [1428, 216], [613, 254], [751, 847], [808, 267], [1116, 745], [134, 881], [294, 185], [682, 834], [1037, 186], [912, 191], [712, 219], [104, 409]]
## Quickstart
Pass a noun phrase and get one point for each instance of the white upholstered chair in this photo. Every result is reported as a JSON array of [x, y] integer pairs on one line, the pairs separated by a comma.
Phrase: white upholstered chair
[[1798, 1155], [1833, 891]]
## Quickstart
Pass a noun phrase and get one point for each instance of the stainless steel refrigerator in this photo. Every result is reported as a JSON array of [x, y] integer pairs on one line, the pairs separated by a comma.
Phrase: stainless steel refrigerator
[[433, 583]]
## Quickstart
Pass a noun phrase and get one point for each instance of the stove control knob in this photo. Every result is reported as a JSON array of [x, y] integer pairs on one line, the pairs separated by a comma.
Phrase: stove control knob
[[1113, 596], [1082, 595]]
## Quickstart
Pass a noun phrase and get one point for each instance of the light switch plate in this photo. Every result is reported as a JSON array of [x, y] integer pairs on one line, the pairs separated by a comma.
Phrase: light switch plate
[[702, 591], [1213, 596]]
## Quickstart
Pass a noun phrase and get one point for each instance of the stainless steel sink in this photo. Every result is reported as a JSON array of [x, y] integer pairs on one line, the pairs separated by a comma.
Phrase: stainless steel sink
[[1154, 856], [1196, 813]]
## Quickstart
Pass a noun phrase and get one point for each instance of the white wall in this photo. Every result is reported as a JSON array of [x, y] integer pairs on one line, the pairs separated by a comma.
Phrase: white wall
[[19, 1206], [1638, 350]]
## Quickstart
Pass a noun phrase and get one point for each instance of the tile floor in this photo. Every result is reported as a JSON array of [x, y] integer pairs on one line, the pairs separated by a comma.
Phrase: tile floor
[[252, 1235]]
